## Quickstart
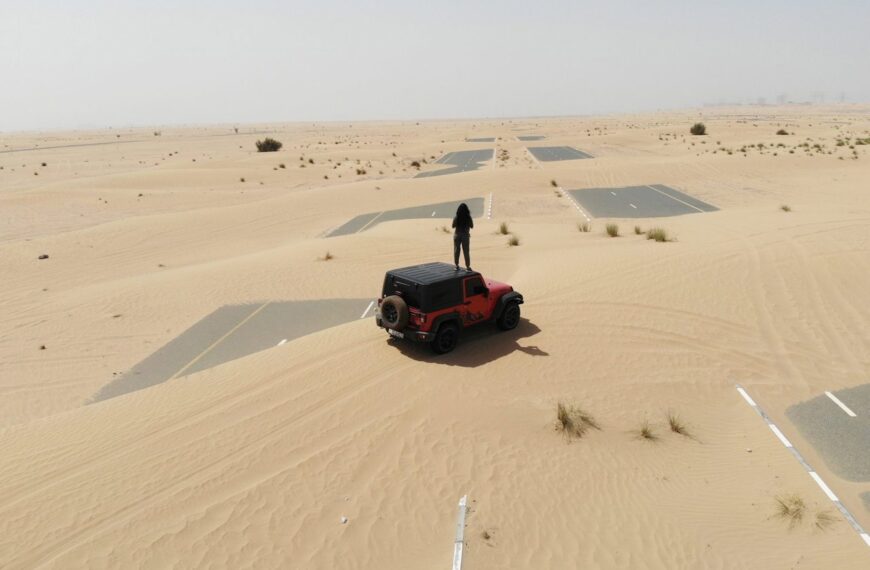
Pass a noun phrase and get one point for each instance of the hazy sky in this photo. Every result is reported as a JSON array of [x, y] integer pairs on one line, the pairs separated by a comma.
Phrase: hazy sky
[[73, 63]]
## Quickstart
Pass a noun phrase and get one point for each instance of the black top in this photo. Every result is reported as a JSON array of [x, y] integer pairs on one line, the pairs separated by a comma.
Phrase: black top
[[428, 273], [462, 226]]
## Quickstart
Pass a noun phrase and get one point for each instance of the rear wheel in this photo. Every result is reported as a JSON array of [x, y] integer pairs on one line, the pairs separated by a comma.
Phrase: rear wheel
[[445, 339], [510, 317]]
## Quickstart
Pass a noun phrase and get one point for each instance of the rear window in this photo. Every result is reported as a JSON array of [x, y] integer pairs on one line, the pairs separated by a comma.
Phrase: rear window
[[408, 291]]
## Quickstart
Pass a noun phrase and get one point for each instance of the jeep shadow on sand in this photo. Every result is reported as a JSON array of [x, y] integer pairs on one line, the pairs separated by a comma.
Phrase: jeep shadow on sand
[[434, 303]]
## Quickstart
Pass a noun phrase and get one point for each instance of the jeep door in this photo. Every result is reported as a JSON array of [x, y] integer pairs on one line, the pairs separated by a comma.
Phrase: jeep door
[[475, 300]]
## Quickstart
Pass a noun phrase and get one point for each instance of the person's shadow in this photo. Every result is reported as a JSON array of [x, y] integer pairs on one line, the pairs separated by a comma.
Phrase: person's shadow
[[477, 345]]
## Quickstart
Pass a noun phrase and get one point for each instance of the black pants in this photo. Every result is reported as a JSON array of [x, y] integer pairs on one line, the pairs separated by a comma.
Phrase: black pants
[[460, 240]]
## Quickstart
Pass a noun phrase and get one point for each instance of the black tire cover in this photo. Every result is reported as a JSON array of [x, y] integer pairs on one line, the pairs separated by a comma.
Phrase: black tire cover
[[401, 320]]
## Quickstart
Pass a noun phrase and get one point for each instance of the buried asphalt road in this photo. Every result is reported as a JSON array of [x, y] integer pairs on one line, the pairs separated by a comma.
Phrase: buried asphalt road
[[529, 138], [428, 211], [232, 332], [841, 439], [555, 153], [651, 201], [481, 139], [462, 161]]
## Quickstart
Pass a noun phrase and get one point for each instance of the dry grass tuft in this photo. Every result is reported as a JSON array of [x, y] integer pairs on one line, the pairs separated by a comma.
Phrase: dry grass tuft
[[658, 234], [513, 241], [677, 425], [503, 229], [646, 432], [790, 508], [553, 183], [574, 421], [444, 229], [612, 230], [327, 257], [785, 208], [825, 519], [637, 230], [584, 227]]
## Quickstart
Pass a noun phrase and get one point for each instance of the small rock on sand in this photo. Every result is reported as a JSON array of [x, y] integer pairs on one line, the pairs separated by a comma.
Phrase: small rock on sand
[[43, 256]]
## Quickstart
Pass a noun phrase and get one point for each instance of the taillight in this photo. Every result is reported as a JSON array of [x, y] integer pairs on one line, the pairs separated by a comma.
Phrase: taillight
[[418, 318]]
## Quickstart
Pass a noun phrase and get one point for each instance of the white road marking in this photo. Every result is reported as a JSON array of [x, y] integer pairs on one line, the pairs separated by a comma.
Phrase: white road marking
[[824, 487], [366, 312], [674, 199], [459, 541], [843, 406], [866, 538], [433, 213], [220, 340], [780, 435], [573, 201], [282, 342], [489, 209], [614, 193], [370, 222], [746, 397], [534, 158], [632, 205]]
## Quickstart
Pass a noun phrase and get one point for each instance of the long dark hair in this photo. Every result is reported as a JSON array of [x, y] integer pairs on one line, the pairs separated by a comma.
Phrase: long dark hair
[[463, 215]]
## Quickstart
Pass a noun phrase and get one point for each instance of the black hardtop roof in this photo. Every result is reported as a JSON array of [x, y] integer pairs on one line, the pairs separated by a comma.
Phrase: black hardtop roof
[[428, 273]]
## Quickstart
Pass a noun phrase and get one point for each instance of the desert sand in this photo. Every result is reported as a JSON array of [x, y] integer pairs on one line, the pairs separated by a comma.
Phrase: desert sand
[[253, 463]]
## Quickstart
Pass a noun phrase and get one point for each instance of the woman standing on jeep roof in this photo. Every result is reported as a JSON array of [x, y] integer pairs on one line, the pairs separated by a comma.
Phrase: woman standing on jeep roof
[[462, 224]]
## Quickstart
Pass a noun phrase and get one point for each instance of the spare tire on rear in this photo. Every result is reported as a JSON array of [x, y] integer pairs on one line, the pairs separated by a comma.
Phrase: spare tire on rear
[[394, 313]]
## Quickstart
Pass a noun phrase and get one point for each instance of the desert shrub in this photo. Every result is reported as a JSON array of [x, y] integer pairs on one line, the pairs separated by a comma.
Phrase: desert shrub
[[645, 431], [513, 241], [584, 227], [782, 132], [268, 145], [553, 183], [637, 230], [698, 129], [676, 424], [785, 208], [573, 421], [658, 234], [415, 164], [791, 508], [503, 229], [612, 230]]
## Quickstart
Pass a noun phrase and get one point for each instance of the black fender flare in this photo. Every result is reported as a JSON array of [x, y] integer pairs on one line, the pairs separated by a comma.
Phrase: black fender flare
[[511, 297], [446, 318]]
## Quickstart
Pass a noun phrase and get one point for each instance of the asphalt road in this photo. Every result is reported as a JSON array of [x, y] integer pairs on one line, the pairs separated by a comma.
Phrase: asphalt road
[[554, 153], [72, 145], [651, 201], [462, 161], [428, 211], [529, 138], [843, 441], [232, 332], [481, 139]]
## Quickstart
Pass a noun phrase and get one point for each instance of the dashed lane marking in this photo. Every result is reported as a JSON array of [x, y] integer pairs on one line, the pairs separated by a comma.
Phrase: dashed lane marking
[[842, 406], [812, 472]]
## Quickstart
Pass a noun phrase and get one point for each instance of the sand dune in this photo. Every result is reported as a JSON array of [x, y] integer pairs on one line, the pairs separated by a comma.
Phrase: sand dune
[[253, 463]]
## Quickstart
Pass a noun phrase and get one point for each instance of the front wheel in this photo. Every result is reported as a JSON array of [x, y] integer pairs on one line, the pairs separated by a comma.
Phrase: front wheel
[[510, 317], [445, 339]]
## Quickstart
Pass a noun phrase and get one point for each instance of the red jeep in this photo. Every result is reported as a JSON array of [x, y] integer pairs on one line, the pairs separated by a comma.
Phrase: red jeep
[[433, 302]]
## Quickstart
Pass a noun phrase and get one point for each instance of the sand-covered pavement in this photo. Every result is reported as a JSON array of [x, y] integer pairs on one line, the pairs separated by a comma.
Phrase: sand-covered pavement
[[253, 463]]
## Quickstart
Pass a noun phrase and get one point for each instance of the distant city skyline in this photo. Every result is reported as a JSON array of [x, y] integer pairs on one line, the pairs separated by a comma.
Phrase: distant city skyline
[[96, 63]]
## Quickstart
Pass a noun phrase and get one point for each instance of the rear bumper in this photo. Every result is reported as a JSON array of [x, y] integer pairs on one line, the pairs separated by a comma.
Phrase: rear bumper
[[407, 334]]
